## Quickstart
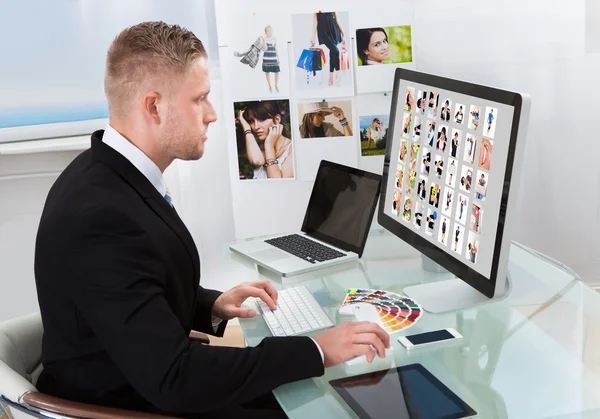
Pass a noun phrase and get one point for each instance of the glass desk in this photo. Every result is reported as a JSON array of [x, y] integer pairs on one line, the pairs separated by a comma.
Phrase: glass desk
[[535, 354]]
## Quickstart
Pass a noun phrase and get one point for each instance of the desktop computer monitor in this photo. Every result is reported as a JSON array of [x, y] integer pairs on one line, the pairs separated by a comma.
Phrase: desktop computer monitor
[[454, 150]]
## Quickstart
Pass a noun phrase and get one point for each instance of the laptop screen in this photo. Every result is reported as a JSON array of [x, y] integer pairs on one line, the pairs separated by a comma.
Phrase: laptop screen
[[341, 206]]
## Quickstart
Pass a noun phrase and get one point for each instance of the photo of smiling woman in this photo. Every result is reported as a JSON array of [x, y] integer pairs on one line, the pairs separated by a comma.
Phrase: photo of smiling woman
[[264, 140], [388, 45]]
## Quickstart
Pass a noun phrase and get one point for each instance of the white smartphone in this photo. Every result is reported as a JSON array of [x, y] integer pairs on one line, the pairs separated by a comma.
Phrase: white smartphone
[[428, 339]]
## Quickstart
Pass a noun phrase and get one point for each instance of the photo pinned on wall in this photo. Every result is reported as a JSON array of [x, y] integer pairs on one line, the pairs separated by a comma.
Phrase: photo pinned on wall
[[416, 134], [411, 181], [466, 178], [481, 185], [399, 177], [438, 164], [485, 155], [421, 102], [455, 142], [461, 208], [406, 125], [434, 195], [472, 247], [442, 138], [403, 151], [458, 235], [426, 161], [431, 133], [470, 148], [451, 172], [263, 130], [448, 198], [322, 52], [265, 45], [432, 216], [409, 102], [474, 117], [325, 119], [418, 218], [432, 106], [384, 45], [476, 218], [444, 231], [459, 113], [491, 115], [446, 112], [414, 153], [422, 188], [257, 60], [407, 209], [396, 202], [373, 134]]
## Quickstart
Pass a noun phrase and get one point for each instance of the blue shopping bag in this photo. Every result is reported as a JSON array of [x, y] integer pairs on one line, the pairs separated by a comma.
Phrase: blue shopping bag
[[305, 61]]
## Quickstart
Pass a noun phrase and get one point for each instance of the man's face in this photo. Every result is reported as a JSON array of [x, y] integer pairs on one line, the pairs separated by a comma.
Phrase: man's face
[[189, 114]]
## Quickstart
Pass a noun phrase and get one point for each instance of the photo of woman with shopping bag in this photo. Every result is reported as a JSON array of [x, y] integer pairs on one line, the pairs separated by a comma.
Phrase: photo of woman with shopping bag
[[323, 34]]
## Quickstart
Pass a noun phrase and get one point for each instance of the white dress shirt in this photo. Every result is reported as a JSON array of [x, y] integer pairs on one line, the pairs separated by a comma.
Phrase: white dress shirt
[[149, 169]]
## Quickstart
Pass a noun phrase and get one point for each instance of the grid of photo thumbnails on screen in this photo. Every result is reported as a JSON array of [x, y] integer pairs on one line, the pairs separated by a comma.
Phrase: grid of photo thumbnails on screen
[[448, 165]]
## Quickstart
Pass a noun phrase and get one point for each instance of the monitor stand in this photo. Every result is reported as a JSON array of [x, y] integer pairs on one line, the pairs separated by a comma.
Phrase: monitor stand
[[450, 295]]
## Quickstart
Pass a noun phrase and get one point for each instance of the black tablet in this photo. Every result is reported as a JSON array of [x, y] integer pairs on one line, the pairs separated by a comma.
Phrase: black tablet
[[407, 392]]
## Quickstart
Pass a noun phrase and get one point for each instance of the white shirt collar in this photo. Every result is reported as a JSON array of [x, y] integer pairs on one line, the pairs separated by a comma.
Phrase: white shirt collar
[[136, 156]]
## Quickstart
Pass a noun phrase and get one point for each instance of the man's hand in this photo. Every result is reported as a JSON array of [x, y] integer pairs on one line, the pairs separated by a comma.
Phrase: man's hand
[[228, 305], [351, 339]]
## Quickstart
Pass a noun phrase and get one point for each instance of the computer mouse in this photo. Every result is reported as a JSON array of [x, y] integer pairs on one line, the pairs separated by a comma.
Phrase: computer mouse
[[362, 359]]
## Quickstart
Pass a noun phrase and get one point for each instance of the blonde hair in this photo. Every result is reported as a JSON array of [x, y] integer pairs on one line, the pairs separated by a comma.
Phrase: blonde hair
[[147, 56], [268, 27]]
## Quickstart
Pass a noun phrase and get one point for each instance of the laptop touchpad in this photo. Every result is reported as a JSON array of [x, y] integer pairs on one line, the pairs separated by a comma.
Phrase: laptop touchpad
[[270, 255]]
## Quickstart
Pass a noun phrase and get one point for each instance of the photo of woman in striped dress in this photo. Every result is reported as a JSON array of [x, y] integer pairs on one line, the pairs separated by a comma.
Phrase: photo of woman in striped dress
[[271, 59]]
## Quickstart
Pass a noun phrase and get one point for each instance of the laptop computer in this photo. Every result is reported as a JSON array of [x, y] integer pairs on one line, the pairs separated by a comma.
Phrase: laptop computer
[[335, 227]]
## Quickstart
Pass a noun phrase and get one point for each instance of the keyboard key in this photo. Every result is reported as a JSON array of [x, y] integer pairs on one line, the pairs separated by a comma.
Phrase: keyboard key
[[305, 248]]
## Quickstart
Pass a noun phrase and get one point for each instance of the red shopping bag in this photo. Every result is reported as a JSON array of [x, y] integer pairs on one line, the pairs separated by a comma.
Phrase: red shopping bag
[[344, 63]]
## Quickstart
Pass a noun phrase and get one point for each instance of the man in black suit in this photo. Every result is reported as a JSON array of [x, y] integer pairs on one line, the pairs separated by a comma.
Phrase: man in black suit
[[117, 272]]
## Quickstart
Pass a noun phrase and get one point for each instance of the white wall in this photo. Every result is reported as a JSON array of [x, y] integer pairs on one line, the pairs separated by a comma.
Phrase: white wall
[[24, 183]]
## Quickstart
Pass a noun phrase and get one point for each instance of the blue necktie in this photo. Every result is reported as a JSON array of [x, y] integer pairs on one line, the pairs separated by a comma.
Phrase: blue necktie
[[168, 199]]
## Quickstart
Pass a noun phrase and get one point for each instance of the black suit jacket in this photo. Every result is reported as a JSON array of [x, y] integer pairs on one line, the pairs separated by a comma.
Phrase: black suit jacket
[[117, 276]]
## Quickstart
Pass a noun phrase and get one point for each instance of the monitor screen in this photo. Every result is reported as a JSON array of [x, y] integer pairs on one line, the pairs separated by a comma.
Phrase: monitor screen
[[341, 206], [447, 165]]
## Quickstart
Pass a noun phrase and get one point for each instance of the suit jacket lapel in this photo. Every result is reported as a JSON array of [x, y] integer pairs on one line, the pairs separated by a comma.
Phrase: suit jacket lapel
[[130, 174]]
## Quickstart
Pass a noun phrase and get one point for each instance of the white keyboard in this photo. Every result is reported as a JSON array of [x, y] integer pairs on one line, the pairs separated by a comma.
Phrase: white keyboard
[[297, 313]]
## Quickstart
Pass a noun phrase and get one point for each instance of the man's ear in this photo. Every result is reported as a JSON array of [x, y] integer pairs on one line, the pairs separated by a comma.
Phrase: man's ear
[[277, 119], [153, 106]]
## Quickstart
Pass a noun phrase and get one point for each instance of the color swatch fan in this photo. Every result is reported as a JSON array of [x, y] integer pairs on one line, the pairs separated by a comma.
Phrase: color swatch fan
[[391, 311]]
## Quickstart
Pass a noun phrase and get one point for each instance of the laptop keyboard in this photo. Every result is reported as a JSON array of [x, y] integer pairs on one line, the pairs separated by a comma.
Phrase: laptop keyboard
[[304, 248]]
